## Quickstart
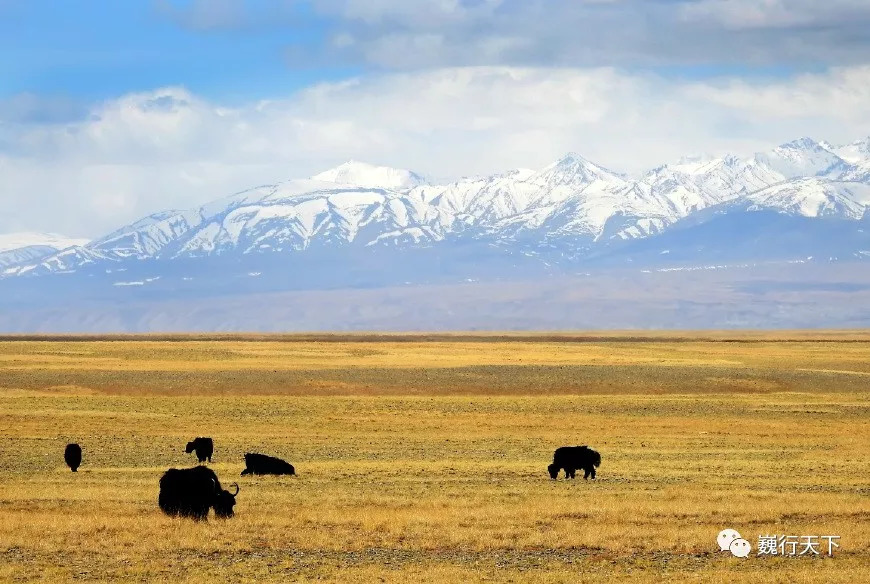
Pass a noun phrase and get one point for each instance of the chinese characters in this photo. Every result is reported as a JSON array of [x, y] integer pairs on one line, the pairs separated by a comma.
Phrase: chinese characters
[[797, 545]]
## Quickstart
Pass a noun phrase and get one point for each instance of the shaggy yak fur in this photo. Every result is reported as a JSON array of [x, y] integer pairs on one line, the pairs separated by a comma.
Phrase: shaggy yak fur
[[571, 458], [260, 464], [73, 456], [204, 448], [191, 492]]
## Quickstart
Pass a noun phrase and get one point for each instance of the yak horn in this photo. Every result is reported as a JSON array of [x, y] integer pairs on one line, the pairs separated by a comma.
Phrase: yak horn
[[214, 485], [236, 485]]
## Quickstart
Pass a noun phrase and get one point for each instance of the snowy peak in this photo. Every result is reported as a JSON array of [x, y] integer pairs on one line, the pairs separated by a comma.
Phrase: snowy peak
[[367, 175], [802, 158], [574, 170], [857, 152], [11, 241], [697, 165], [802, 144], [693, 163], [814, 197], [694, 184], [519, 174], [148, 236]]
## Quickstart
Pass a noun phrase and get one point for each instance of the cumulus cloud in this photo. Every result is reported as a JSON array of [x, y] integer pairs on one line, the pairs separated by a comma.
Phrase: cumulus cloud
[[169, 148]]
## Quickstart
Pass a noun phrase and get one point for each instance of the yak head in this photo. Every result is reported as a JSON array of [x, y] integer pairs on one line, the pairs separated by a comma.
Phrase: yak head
[[190, 447], [553, 470], [224, 501]]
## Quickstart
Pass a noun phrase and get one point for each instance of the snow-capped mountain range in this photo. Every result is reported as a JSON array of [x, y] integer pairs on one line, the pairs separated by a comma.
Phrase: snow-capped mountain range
[[22, 248], [572, 209]]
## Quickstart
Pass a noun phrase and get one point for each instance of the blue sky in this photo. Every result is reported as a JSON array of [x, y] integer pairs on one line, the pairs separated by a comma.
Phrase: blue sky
[[94, 49], [110, 110]]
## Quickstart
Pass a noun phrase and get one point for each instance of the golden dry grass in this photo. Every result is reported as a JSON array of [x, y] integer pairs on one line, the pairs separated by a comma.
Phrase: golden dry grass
[[424, 459]]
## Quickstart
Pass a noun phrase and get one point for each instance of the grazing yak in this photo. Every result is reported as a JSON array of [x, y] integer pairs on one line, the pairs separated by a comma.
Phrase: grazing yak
[[204, 448], [571, 458], [260, 464], [73, 456], [191, 492]]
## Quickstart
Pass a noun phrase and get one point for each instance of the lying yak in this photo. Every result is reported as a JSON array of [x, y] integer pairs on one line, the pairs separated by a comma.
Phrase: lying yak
[[571, 458], [204, 448], [191, 492], [73, 456], [260, 464]]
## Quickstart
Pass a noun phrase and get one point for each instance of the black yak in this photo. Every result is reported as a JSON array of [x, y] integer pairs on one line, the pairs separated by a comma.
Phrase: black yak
[[73, 456], [571, 458], [204, 448], [260, 464], [191, 492]]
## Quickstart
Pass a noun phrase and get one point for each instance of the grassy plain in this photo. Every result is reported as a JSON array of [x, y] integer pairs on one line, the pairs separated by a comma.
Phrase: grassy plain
[[422, 457]]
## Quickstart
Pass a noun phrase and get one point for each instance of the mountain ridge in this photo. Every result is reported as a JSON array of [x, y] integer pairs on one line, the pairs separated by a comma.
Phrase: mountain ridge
[[568, 208]]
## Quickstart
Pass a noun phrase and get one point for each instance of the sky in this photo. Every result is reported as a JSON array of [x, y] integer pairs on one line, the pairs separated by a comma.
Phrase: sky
[[113, 110]]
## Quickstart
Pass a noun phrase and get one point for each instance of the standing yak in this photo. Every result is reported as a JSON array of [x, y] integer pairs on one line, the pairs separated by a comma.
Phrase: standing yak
[[260, 464], [571, 458], [204, 448], [191, 492], [73, 456]]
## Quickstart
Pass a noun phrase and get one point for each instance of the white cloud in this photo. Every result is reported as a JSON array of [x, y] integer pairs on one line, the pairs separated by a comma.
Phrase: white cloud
[[841, 97], [749, 14], [171, 149]]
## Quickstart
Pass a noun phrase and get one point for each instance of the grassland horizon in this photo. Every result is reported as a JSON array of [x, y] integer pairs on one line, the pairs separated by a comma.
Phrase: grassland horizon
[[640, 335], [423, 456]]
